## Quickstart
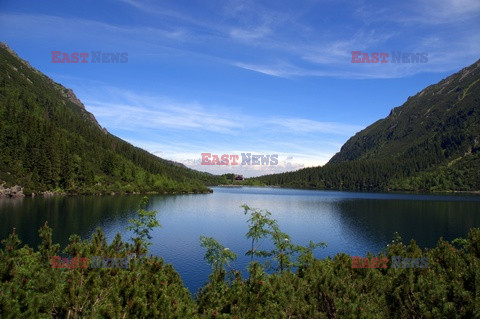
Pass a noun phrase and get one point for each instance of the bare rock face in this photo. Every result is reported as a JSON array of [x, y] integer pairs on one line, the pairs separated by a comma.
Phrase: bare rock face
[[70, 95], [73, 98], [65, 92], [14, 191]]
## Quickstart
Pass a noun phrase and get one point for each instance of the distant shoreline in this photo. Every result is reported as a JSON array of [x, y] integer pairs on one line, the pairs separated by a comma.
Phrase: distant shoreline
[[20, 194], [229, 185]]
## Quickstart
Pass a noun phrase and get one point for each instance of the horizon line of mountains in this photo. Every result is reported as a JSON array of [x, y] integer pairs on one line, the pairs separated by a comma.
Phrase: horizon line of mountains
[[51, 144]]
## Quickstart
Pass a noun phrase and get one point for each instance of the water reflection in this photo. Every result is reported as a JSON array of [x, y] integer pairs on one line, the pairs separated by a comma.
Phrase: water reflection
[[349, 222]]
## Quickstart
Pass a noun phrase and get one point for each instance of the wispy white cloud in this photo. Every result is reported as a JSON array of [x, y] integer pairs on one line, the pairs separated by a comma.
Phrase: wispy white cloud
[[283, 165], [282, 70], [418, 13], [181, 131], [49, 25], [339, 51], [310, 126], [278, 39], [251, 34], [444, 12], [162, 114], [285, 45], [287, 70], [137, 110]]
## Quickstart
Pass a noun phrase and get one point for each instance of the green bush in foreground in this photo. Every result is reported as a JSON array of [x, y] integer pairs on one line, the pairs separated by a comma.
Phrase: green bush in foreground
[[298, 286]]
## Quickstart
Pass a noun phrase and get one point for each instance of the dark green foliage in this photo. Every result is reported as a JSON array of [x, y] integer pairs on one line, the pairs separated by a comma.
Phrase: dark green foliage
[[331, 288], [430, 143], [47, 249], [30, 288], [142, 226], [49, 142], [260, 227], [217, 256]]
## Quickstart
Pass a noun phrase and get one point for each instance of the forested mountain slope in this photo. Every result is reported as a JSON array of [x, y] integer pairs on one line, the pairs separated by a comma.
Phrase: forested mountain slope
[[430, 143], [49, 142]]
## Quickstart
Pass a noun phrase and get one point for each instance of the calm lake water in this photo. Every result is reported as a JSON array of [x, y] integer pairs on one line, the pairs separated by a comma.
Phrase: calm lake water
[[349, 222]]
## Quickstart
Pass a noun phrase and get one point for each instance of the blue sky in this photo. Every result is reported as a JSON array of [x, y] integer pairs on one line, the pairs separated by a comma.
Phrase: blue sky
[[229, 77]]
